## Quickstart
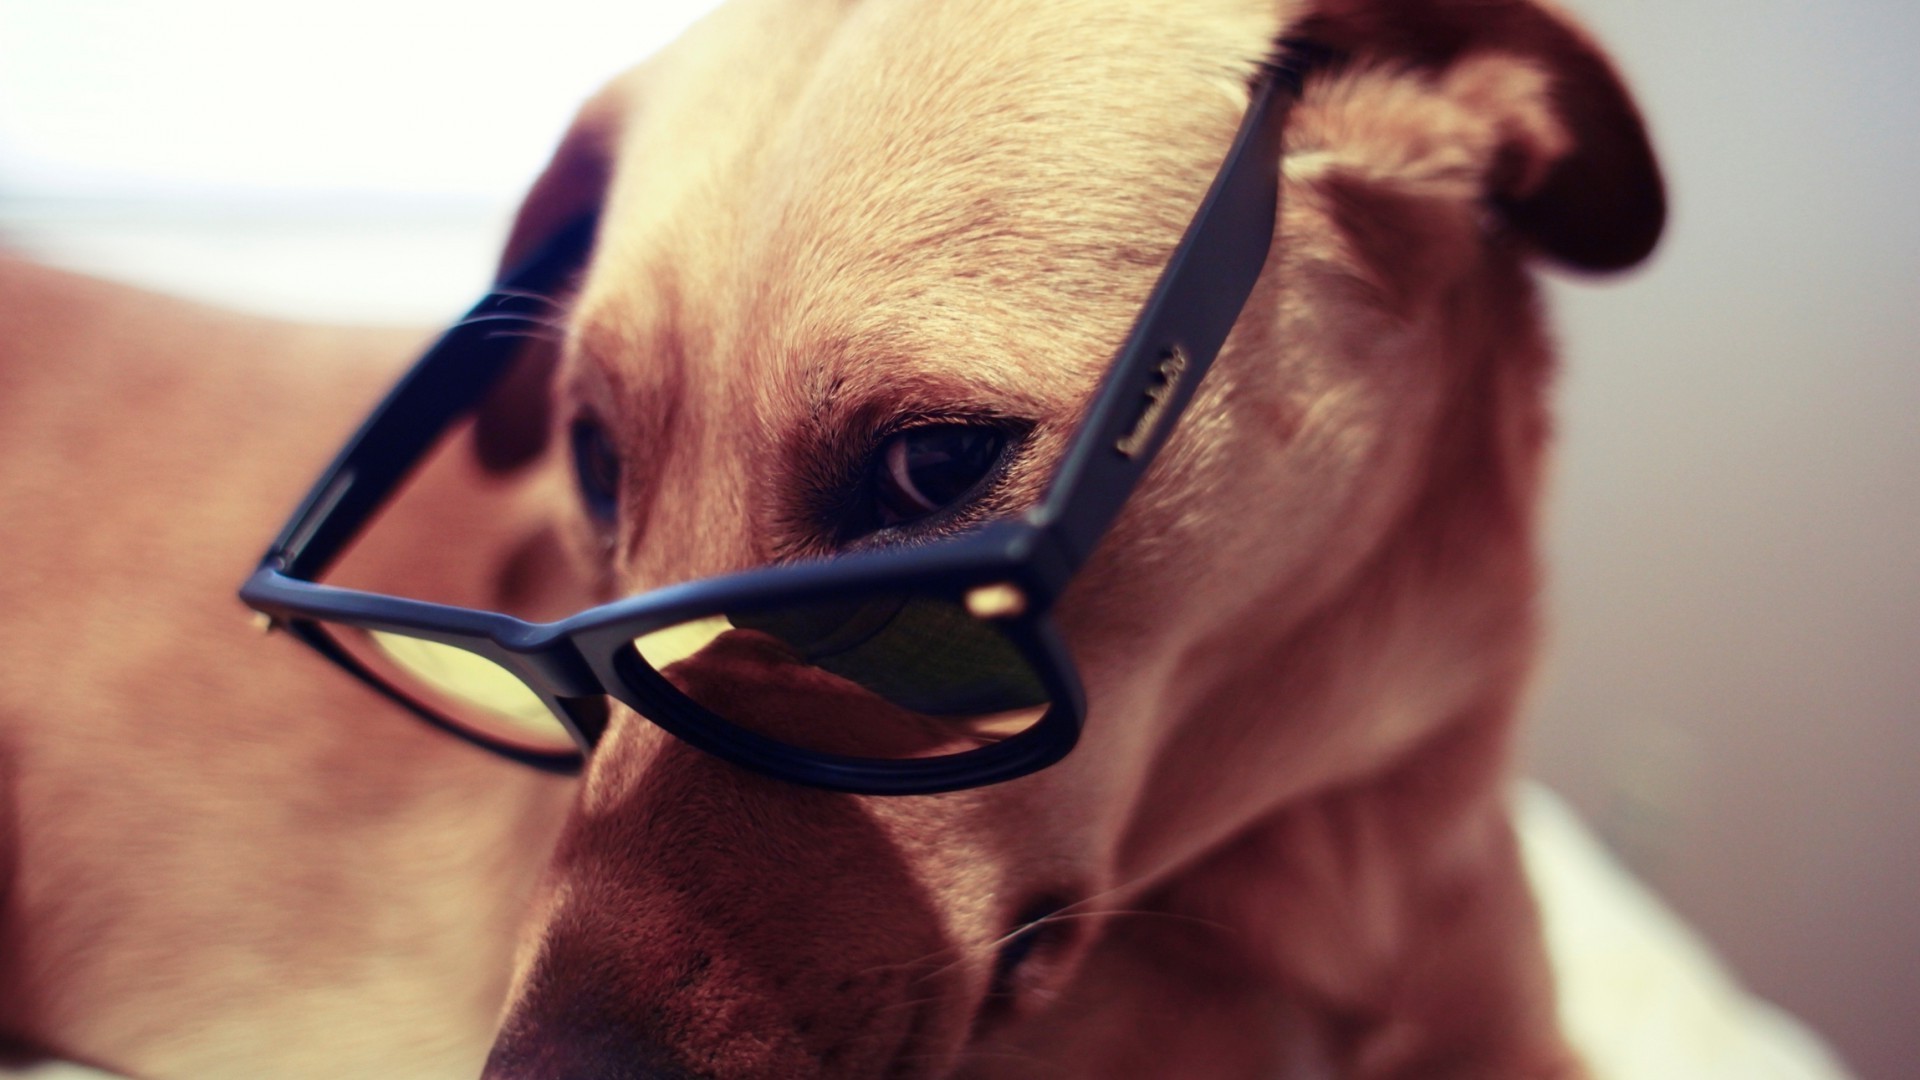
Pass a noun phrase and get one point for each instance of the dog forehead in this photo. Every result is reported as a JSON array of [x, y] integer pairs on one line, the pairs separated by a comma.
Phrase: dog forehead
[[807, 190]]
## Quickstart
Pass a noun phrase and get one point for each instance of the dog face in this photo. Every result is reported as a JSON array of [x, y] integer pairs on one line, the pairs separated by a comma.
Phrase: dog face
[[824, 223]]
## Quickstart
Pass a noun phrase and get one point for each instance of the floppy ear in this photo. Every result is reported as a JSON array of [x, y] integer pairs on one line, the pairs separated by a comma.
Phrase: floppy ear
[[575, 182], [512, 426], [1590, 194]]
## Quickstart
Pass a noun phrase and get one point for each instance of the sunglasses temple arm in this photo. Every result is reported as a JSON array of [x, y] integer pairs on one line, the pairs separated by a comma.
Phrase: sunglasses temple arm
[[448, 381], [1181, 327]]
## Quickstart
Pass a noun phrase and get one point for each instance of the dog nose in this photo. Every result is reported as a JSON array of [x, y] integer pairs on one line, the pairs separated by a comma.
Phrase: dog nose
[[577, 1055]]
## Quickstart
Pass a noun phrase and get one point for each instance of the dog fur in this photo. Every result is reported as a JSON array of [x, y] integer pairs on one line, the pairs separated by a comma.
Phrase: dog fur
[[1304, 643]]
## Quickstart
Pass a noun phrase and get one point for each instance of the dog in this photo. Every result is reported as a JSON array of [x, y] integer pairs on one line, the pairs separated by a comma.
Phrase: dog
[[1281, 842]]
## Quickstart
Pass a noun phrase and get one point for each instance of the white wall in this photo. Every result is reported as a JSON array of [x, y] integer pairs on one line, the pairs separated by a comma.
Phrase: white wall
[[355, 160], [1734, 693]]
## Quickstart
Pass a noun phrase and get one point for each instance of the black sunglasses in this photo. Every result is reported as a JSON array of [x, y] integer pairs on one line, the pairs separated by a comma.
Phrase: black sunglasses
[[887, 673]]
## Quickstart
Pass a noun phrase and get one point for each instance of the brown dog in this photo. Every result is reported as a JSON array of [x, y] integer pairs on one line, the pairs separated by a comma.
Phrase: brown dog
[[1303, 643]]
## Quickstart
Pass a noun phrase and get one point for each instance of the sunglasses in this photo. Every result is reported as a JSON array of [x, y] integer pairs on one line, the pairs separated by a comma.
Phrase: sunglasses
[[896, 672]]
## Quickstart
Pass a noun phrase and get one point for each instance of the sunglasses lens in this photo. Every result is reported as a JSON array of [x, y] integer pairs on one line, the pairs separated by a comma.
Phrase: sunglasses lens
[[890, 675], [461, 687]]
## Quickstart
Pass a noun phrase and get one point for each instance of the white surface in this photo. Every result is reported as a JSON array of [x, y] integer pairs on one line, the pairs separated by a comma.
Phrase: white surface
[[1641, 995]]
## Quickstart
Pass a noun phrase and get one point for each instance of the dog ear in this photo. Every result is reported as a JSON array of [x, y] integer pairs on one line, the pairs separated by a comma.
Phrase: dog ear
[[512, 426], [1589, 195]]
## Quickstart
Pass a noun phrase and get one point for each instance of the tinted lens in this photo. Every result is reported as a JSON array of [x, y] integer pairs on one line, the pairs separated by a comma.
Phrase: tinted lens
[[881, 676], [461, 687]]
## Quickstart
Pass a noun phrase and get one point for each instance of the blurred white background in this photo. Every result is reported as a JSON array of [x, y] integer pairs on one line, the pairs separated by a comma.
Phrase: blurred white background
[[1733, 690], [352, 160]]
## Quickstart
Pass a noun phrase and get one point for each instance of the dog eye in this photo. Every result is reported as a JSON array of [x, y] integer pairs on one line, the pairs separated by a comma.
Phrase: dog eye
[[924, 470], [596, 468]]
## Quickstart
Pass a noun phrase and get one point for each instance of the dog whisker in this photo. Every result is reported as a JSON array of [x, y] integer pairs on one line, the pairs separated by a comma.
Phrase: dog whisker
[[540, 334], [906, 1003], [525, 294], [1067, 915], [515, 318], [1172, 916], [1067, 910]]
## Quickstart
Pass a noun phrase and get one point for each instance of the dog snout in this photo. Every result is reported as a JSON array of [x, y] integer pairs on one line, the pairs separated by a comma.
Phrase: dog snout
[[708, 922]]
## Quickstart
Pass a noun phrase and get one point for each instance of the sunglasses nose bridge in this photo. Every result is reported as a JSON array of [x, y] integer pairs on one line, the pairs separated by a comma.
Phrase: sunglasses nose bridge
[[557, 666]]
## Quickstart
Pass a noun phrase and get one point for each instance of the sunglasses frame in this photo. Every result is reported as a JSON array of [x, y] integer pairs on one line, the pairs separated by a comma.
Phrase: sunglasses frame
[[575, 663]]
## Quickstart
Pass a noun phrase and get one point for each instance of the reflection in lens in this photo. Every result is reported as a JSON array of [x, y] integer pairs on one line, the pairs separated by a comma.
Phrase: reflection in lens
[[676, 643], [888, 676], [463, 687]]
